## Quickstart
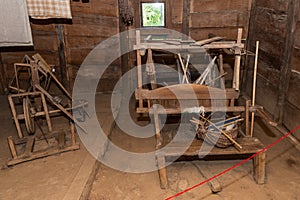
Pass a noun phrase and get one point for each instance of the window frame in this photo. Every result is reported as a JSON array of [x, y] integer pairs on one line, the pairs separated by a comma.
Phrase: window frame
[[141, 16]]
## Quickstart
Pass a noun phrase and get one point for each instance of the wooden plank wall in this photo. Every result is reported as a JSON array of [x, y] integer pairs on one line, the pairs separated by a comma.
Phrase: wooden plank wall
[[92, 23], [291, 115], [278, 80], [97, 20], [221, 18], [204, 17]]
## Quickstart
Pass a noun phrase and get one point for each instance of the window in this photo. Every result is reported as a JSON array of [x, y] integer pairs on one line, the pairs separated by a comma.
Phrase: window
[[153, 14]]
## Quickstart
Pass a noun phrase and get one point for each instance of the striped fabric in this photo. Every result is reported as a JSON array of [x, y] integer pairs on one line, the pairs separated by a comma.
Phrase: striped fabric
[[44, 9]]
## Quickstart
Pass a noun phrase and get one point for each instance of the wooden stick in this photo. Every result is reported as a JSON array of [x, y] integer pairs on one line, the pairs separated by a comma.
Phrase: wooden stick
[[139, 64], [202, 78], [14, 113], [254, 87], [206, 41], [229, 123], [151, 67], [44, 65], [12, 147], [186, 67], [183, 69], [59, 106], [237, 63], [223, 132], [231, 118], [247, 117], [221, 63], [222, 75]]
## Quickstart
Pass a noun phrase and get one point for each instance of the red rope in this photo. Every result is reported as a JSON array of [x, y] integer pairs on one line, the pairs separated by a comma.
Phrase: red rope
[[236, 165]]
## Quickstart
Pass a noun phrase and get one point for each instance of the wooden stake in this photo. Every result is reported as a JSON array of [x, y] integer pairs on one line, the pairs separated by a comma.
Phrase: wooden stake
[[254, 87]]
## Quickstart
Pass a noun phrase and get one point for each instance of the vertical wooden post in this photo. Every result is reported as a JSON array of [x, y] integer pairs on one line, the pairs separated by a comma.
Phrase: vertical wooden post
[[237, 62], [285, 71], [186, 19], [151, 66], [162, 171], [250, 37], [139, 64], [124, 38], [3, 83], [14, 113], [259, 168], [157, 127], [247, 113], [254, 87], [221, 63], [72, 130], [62, 57]]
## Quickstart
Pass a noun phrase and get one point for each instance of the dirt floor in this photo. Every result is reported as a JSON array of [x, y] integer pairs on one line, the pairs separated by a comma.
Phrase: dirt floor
[[282, 182], [56, 177]]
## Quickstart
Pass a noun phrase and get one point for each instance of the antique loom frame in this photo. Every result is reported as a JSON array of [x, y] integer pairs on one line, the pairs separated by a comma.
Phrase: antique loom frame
[[250, 145]]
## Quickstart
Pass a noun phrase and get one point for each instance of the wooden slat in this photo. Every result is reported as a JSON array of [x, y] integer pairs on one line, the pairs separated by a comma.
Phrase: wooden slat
[[180, 110], [214, 45], [204, 170], [187, 91], [250, 146], [41, 154]]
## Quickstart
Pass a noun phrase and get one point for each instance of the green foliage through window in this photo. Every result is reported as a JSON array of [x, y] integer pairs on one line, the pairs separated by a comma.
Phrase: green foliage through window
[[153, 14]]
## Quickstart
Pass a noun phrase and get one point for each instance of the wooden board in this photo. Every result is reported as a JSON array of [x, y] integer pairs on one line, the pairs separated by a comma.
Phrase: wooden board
[[250, 146], [187, 91]]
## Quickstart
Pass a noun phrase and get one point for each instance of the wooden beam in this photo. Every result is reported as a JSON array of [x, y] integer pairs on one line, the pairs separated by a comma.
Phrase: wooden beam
[[186, 19], [124, 42], [3, 83], [249, 41], [285, 71], [62, 56]]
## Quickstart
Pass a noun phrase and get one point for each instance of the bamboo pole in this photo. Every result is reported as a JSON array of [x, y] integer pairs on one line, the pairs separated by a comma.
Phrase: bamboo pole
[[254, 87]]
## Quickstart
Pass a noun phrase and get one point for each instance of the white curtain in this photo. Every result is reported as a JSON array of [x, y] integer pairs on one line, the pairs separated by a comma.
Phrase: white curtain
[[14, 22]]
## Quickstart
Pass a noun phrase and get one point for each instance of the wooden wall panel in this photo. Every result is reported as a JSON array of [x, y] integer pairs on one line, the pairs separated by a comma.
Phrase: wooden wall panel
[[293, 96], [271, 19], [219, 19], [92, 23], [217, 5], [292, 118]]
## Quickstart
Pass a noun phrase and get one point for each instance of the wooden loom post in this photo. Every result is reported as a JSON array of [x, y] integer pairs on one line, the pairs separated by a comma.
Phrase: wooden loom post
[[237, 62], [139, 64], [254, 87]]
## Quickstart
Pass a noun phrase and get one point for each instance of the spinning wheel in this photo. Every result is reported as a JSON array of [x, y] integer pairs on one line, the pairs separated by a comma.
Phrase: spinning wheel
[[28, 116]]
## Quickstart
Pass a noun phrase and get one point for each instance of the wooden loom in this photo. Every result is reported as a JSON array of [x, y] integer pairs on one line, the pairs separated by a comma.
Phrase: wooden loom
[[206, 96]]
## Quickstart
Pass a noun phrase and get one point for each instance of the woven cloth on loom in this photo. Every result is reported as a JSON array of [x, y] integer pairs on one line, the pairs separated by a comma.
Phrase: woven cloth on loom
[[44, 9]]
